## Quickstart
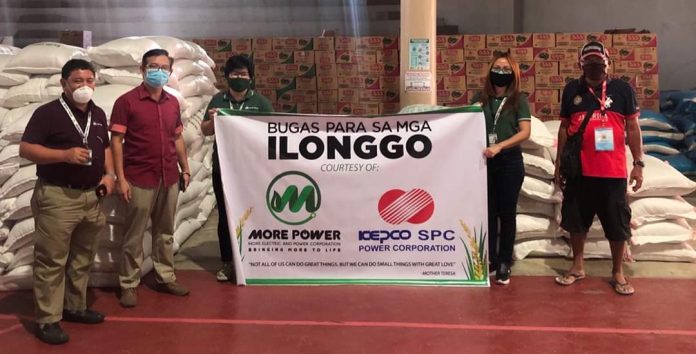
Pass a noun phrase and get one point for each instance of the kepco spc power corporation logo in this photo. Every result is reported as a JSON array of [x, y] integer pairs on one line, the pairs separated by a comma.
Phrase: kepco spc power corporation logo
[[293, 198], [397, 206]]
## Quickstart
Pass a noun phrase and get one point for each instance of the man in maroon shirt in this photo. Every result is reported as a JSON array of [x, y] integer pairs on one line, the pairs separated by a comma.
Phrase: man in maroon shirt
[[149, 120], [68, 140]]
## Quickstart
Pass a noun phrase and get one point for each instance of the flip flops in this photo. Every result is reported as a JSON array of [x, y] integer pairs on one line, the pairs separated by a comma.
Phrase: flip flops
[[622, 288], [569, 278]]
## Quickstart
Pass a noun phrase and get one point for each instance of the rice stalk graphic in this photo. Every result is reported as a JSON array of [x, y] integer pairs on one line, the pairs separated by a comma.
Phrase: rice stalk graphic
[[239, 229], [475, 248]]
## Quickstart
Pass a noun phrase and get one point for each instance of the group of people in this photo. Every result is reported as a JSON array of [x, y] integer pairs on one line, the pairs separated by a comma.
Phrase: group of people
[[145, 163], [611, 112]]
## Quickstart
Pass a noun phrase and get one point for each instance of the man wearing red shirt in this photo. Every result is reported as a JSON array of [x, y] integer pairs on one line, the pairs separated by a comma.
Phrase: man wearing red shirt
[[601, 190], [149, 120]]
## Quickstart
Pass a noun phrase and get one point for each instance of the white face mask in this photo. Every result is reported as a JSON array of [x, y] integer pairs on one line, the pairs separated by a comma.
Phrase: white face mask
[[83, 94]]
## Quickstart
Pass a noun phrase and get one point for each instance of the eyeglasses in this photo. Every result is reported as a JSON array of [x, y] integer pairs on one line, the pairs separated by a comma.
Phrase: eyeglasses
[[155, 67], [502, 69], [237, 75]]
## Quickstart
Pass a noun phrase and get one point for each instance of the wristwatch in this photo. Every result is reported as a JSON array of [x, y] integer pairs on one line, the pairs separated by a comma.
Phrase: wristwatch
[[639, 163], [113, 176]]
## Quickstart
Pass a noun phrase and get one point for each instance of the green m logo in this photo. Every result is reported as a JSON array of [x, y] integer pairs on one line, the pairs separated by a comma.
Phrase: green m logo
[[293, 198]]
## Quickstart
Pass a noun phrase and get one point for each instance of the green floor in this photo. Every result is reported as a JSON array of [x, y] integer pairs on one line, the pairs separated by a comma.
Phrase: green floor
[[201, 252]]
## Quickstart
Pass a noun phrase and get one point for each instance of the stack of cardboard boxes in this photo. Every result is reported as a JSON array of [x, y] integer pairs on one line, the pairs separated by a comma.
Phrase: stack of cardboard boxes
[[547, 62], [360, 75], [328, 75]]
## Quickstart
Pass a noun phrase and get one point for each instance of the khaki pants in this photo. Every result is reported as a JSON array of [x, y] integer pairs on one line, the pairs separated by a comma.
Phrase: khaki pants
[[68, 223], [158, 204]]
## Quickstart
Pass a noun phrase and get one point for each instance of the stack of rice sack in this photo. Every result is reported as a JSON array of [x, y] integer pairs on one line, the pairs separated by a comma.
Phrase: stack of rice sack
[[538, 208], [31, 77], [661, 220], [670, 139]]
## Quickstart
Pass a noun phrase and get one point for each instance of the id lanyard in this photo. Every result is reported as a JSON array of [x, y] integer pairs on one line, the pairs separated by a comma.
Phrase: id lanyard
[[240, 106], [83, 133], [602, 100], [497, 114]]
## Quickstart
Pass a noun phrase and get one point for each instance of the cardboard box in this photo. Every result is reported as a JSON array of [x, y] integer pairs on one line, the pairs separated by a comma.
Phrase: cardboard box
[[555, 54], [345, 57], [478, 54], [630, 79], [578, 39], [509, 40], [271, 82], [442, 69], [546, 96], [389, 108], [527, 84], [304, 57], [391, 70], [452, 97], [450, 42], [81, 39], [390, 42], [543, 40], [651, 104], [264, 70], [392, 83], [546, 67], [527, 68], [369, 43], [522, 54], [634, 54], [324, 43], [449, 56], [306, 83], [327, 108], [370, 96], [346, 69], [452, 83], [268, 93], [543, 81], [325, 57], [324, 70], [358, 109], [392, 96], [344, 43], [291, 107], [296, 70], [648, 80], [327, 82], [477, 68], [234, 45], [569, 68], [635, 67], [475, 82], [647, 93], [348, 95], [273, 57], [547, 110], [635, 40], [262, 43], [389, 56], [293, 43], [327, 96], [474, 41], [296, 96], [359, 82], [366, 69]]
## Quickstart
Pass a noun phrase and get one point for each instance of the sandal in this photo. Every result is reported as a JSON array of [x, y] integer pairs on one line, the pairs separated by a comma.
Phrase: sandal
[[622, 288], [569, 278]]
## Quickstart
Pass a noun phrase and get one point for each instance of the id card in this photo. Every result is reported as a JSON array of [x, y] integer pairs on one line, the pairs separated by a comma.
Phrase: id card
[[89, 159], [492, 139], [604, 139]]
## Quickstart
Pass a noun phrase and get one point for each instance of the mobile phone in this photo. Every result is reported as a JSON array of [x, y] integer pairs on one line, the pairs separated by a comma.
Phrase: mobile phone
[[100, 191], [182, 182]]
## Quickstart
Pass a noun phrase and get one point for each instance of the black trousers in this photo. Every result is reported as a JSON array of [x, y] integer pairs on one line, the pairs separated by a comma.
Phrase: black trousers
[[505, 176], [223, 230]]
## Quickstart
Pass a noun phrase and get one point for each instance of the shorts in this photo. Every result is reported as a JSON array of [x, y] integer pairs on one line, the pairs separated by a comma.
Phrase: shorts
[[605, 197]]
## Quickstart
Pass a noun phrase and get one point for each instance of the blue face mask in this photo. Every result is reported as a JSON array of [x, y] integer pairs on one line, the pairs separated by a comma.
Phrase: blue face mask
[[156, 77]]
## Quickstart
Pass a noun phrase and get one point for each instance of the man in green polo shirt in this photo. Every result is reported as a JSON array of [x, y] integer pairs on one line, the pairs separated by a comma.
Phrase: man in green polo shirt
[[239, 73]]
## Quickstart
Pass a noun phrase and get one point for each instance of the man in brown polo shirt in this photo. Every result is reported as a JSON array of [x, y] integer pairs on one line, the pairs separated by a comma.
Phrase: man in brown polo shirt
[[149, 120], [68, 140]]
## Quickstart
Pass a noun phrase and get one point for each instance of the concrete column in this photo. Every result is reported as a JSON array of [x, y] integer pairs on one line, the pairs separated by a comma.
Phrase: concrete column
[[418, 80]]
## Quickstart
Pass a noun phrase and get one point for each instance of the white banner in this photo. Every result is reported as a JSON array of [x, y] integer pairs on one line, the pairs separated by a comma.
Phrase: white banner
[[350, 200]]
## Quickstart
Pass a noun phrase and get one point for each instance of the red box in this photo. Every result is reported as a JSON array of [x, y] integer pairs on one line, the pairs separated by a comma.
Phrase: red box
[[519, 40], [635, 40], [324, 43], [450, 42], [544, 40], [474, 41]]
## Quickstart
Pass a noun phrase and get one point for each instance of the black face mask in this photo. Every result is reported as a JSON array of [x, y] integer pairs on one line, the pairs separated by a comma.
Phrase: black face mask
[[501, 80], [593, 71]]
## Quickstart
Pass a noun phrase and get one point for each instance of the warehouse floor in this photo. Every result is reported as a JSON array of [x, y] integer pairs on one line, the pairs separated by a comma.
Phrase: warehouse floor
[[532, 315]]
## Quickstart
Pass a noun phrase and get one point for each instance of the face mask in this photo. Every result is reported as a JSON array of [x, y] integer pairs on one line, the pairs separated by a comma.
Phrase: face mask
[[239, 84], [156, 77], [501, 78], [82, 95], [593, 71]]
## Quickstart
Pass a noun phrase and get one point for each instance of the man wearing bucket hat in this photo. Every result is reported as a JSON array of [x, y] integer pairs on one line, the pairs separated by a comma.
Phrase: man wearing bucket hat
[[610, 112]]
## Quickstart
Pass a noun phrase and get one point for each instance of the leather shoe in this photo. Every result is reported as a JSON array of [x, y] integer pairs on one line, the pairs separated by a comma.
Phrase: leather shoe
[[51, 333], [85, 316]]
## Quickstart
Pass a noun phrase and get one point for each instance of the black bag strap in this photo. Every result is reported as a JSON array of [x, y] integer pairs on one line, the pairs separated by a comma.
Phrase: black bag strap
[[581, 131]]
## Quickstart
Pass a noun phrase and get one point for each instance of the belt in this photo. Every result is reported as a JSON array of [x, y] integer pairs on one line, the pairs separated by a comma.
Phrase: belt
[[82, 187]]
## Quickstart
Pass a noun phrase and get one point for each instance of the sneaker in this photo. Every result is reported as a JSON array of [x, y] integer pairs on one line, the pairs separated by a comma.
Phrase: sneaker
[[129, 297], [51, 333], [226, 273], [502, 276], [173, 288], [85, 316]]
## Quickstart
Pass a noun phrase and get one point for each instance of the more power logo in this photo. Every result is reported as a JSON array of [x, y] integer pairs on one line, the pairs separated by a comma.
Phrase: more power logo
[[397, 206], [293, 198]]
